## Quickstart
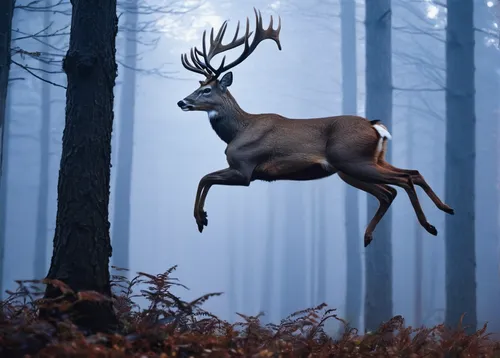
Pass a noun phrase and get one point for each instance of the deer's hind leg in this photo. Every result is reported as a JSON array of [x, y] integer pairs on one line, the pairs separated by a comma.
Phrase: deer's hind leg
[[385, 195], [419, 180], [367, 170]]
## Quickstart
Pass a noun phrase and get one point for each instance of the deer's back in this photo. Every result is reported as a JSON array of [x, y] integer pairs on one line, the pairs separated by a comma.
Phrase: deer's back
[[312, 131]]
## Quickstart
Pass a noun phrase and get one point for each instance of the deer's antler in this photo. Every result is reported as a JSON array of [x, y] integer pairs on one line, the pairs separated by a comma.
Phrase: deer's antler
[[203, 66]]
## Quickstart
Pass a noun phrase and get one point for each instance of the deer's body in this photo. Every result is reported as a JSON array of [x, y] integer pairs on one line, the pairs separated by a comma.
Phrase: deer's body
[[271, 147], [291, 149]]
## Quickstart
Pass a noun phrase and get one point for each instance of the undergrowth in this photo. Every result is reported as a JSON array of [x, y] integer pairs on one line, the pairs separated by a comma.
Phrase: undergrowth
[[171, 327]]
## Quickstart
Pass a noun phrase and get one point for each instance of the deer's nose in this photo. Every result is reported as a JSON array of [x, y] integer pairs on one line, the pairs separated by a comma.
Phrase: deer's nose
[[181, 103]]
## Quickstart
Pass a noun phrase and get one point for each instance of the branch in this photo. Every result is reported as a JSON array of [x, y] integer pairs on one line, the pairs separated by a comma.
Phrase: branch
[[153, 71], [41, 33], [31, 7], [418, 89], [35, 75]]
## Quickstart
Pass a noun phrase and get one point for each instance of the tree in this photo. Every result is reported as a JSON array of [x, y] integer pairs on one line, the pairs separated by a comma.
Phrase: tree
[[81, 242], [268, 282], [40, 268], [418, 237], [6, 14], [353, 298], [378, 257], [123, 184], [320, 258], [460, 165], [487, 63]]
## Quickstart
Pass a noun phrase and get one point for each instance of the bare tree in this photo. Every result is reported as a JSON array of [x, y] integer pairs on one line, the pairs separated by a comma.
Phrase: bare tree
[[6, 14], [487, 63], [123, 185], [378, 267], [82, 246], [460, 165], [353, 299], [40, 268]]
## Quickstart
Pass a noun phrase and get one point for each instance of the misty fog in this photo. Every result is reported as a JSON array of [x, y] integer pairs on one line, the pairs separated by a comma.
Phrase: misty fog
[[273, 247]]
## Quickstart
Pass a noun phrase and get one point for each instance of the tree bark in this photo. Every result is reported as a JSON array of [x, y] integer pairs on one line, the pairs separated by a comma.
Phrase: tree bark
[[81, 242], [123, 189], [353, 299], [460, 165], [487, 100], [6, 15], [378, 257], [40, 265]]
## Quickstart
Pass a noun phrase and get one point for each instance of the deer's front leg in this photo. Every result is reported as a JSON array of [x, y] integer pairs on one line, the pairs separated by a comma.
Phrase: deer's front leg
[[228, 176]]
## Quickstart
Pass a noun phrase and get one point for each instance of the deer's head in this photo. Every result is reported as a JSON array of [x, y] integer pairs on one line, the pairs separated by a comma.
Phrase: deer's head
[[213, 92]]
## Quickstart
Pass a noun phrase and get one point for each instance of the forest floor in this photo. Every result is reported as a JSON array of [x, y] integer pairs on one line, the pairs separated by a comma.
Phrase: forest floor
[[171, 327]]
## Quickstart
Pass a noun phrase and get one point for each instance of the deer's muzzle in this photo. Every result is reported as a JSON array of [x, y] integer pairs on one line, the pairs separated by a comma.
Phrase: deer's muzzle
[[185, 106]]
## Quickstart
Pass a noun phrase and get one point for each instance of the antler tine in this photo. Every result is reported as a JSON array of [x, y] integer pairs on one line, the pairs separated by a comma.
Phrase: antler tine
[[187, 65], [206, 58], [196, 60], [261, 34]]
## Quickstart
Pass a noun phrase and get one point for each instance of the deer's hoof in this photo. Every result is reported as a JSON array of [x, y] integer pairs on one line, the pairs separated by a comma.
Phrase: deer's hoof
[[201, 220], [368, 239], [431, 229], [448, 210]]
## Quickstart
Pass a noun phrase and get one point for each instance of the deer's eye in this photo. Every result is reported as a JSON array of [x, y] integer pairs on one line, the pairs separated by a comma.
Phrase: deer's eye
[[207, 90]]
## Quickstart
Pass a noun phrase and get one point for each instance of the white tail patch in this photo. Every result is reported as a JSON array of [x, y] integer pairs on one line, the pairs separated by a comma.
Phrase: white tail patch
[[384, 135], [382, 131]]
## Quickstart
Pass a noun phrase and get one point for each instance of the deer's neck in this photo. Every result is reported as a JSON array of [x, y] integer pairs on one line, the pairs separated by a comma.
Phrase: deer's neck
[[228, 120]]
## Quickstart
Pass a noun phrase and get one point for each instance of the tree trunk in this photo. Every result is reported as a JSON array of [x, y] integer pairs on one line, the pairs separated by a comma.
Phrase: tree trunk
[[353, 298], [82, 246], [322, 253], [40, 265], [293, 295], [121, 215], [487, 109], [418, 236], [6, 14], [266, 301], [460, 165], [378, 257]]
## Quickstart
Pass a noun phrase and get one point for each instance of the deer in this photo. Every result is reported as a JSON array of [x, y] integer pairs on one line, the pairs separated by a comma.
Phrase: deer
[[271, 147]]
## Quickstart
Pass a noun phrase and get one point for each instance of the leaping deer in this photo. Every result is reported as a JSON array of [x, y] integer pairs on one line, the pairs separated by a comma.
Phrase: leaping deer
[[272, 147]]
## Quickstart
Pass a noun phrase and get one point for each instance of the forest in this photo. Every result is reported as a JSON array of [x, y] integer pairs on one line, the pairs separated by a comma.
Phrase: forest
[[105, 151]]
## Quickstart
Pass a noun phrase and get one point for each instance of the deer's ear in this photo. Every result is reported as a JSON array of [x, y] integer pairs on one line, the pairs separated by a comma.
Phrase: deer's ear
[[226, 81]]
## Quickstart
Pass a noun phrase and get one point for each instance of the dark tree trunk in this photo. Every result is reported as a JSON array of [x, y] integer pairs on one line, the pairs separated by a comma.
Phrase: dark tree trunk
[[6, 14], [40, 262], [378, 257], [121, 215], [488, 112], [82, 246], [353, 299], [460, 165]]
